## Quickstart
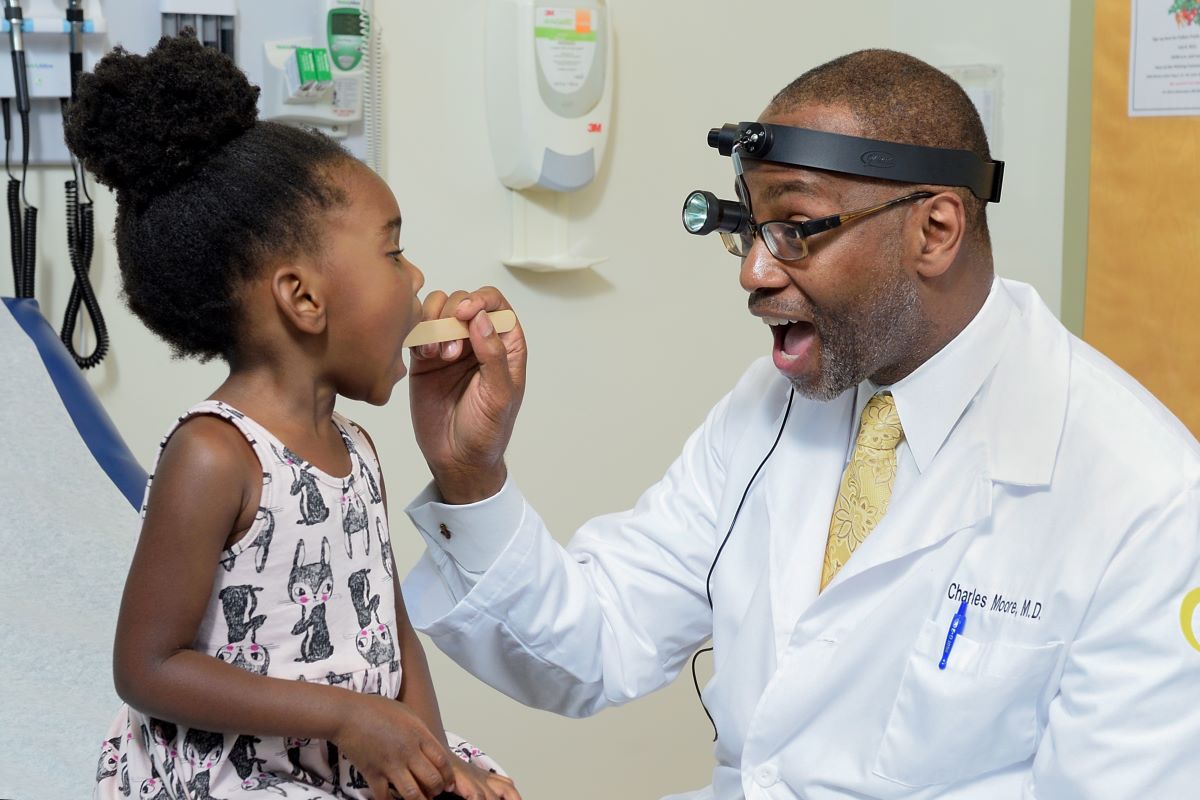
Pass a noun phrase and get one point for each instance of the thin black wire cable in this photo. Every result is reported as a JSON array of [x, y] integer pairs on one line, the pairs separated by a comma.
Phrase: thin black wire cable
[[6, 107], [708, 581], [737, 512], [696, 683]]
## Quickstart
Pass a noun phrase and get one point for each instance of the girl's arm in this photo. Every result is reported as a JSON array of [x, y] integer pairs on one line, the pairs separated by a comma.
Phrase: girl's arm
[[416, 682], [206, 481], [417, 692], [201, 487]]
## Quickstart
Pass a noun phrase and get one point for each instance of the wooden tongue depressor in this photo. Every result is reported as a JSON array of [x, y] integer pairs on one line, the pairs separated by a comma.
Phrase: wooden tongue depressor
[[434, 331]]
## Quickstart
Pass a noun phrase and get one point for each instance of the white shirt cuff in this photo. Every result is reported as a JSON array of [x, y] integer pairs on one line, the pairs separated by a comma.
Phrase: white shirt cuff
[[472, 535]]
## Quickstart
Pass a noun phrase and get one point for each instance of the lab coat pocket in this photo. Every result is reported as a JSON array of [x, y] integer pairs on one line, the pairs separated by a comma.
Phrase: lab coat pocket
[[977, 715]]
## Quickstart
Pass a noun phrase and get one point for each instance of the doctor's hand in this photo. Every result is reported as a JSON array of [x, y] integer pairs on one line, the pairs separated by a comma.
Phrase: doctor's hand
[[465, 394]]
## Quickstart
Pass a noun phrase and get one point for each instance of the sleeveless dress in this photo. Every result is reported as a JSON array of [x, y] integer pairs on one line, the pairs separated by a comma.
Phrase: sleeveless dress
[[308, 594]]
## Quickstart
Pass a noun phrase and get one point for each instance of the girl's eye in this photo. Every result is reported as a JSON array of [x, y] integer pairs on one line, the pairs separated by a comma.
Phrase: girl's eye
[[396, 255]]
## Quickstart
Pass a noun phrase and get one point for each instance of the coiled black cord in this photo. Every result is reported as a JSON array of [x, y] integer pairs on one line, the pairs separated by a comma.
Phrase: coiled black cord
[[80, 246], [708, 581], [14, 205], [16, 237], [22, 217], [29, 223]]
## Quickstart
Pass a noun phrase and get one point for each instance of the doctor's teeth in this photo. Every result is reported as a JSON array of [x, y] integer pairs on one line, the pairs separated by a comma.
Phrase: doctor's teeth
[[773, 321]]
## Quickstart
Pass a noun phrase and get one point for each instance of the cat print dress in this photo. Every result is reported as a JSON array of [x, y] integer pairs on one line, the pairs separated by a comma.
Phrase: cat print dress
[[308, 594]]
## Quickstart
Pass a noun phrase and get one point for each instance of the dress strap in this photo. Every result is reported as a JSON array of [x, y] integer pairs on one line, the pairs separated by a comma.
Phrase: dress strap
[[256, 435]]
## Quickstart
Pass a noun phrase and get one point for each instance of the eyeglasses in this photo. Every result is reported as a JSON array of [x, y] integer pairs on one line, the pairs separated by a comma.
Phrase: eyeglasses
[[788, 240]]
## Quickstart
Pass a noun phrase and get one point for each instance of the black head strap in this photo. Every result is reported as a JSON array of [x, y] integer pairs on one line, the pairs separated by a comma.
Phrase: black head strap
[[854, 155]]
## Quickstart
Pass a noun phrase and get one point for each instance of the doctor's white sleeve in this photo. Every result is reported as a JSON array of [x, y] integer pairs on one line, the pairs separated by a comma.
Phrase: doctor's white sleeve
[[611, 617], [1126, 722]]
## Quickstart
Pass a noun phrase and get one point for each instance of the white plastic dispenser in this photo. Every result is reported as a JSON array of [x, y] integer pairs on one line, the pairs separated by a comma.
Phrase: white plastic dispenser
[[549, 98]]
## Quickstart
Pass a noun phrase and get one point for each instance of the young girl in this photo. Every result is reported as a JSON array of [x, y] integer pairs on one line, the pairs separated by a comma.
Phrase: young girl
[[263, 647]]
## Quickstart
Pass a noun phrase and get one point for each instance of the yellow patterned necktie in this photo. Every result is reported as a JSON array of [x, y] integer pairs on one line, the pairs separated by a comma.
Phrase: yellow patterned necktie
[[866, 484]]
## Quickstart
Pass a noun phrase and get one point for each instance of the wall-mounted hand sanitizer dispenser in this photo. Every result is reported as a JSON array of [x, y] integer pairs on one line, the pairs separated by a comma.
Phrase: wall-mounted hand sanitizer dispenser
[[549, 91], [328, 78]]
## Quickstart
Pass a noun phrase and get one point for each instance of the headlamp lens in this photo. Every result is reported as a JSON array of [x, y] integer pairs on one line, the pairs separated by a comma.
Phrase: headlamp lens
[[696, 210], [704, 213]]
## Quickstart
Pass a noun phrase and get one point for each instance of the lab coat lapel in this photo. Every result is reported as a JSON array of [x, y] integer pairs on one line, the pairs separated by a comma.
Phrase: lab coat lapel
[[801, 485], [954, 493], [1007, 438]]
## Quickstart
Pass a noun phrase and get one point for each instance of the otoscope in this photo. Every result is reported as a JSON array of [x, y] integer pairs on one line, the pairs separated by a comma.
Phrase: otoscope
[[80, 222], [24, 226]]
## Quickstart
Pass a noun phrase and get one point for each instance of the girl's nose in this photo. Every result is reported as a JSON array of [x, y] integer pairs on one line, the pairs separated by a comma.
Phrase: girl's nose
[[418, 276]]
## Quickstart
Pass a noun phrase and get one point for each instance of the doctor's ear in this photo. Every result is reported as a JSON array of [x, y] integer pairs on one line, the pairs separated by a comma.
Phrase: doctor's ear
[[943, 224], [298, 294]]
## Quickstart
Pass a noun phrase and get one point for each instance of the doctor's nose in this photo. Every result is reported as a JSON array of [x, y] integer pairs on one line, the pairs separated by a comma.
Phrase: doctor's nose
[[761, 270]]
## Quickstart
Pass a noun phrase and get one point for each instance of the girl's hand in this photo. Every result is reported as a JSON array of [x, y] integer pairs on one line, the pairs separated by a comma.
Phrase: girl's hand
[[465, 395], [473, 783], [390, 746]]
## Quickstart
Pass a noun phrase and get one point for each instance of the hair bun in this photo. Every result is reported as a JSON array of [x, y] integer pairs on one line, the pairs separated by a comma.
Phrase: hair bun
[[142, 124]]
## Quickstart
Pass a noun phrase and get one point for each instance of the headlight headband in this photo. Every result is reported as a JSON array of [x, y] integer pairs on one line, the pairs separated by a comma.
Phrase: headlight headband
[[855, 155]]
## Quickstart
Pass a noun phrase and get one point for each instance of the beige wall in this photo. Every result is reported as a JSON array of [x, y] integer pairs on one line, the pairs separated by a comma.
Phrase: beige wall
[[625, 359]]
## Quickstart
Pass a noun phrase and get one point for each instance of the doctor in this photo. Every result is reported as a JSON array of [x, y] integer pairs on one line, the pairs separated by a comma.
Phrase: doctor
[[943, 548]]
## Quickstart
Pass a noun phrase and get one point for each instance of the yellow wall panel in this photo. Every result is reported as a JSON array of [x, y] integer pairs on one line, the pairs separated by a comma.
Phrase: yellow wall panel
[[1142, 305]]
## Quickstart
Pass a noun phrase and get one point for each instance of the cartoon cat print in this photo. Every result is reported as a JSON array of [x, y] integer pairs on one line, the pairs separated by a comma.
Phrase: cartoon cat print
[[244, 757], [295, 747], [110, 758], [375, 642], [203, 750], [313, 510], [354, 518], [310, 587], [238, 604], [363, 470]]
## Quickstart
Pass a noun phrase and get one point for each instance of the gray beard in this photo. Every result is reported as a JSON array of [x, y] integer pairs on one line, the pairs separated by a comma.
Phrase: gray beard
[[858, 342]]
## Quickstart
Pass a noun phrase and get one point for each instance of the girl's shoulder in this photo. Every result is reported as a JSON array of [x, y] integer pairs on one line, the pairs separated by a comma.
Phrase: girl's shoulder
[[357, 439], [214, 442], [211, 423]]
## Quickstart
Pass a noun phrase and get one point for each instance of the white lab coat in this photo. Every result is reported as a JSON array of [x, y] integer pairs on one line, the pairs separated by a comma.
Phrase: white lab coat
[[1064, 507]]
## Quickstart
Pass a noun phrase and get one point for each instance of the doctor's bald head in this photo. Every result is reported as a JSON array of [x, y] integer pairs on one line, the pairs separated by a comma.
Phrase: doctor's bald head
[[897, 98]]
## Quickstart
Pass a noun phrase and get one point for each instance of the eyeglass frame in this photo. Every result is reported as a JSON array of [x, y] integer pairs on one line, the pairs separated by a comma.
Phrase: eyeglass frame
[[807, 228]]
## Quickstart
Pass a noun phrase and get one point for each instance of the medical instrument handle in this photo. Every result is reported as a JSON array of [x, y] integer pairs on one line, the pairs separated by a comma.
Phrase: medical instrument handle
[[21, 81], [75, 21], [12, 13]]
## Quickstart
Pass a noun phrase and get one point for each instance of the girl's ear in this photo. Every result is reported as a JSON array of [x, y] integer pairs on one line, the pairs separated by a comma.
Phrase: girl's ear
[[297, 290]]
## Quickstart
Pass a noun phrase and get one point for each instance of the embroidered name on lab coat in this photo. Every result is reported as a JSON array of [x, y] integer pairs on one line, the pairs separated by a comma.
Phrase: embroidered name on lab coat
[[1022, 607]]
